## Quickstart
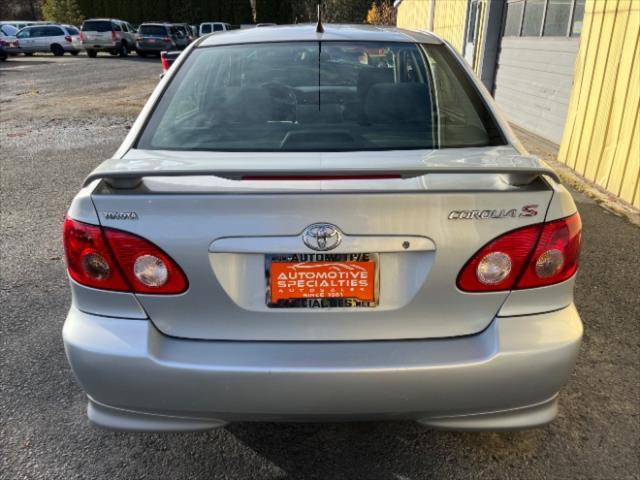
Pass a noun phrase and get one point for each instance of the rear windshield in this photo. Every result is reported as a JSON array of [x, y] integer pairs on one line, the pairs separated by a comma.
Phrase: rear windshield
[[320, 96], [72, 30], [153, 30], [96, 26], [9, 30]]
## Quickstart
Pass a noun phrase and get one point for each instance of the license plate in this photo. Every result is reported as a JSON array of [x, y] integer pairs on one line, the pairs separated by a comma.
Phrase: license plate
[[322, 280]]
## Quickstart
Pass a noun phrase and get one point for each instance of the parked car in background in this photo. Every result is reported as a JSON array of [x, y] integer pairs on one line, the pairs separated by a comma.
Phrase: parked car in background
[[117, 37], [8, 40], [21, 23], [263, 246], [167, 59], [213, 27], [153, 38], [53, 38], [187, 35]]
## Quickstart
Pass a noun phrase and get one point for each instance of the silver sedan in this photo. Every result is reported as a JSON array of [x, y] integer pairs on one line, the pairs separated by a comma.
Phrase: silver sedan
[[321, 224]]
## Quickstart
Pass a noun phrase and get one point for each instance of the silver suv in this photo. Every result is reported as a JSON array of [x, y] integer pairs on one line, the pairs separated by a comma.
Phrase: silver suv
[[321, 225], [107, 35]]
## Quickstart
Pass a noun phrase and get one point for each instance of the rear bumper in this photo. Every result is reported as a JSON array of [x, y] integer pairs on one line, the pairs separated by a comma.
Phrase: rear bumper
[[506, 377], [154, 48], [99, 47]]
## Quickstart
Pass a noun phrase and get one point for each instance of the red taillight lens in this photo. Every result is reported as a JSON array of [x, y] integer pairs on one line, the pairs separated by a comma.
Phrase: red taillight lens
[[517, 245], [557, 254], [89, 260], [110, 259], [67, 38], [114, 36], [165, 62], [81, 37], [533, 256], [147, 268]]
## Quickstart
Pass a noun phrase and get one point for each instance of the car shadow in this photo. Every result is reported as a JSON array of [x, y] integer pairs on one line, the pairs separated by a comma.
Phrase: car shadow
[[380, 450], [130, 58], [15, 61]]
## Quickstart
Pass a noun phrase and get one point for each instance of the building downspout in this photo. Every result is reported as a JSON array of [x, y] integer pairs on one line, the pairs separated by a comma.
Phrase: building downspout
[[432, 14]]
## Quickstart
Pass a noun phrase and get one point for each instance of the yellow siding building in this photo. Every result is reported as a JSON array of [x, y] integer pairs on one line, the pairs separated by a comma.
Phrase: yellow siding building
[[567, 70]]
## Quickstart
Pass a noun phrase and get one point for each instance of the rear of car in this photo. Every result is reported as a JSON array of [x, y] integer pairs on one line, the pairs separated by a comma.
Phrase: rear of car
[[53, 38], [8, 41], [182, 34], [334, 226], [153, 38], [116, 37], [167, 59]]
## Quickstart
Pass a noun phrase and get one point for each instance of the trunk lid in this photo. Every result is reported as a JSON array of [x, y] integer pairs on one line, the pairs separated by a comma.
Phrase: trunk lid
[[222, 231]]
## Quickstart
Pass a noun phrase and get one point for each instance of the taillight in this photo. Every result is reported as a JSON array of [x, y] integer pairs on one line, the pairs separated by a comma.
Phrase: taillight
[[111, 259], [89, 259], [147, 268], [114, 36], [165, 62], [557, 254], [81, 37], [165, 39], [532, 256], [67, 38]]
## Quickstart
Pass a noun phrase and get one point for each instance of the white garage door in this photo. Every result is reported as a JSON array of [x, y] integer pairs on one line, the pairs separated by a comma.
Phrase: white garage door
[[536, 62]]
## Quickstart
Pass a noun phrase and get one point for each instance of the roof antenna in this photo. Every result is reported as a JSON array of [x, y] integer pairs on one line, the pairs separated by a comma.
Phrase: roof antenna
[[319, 27]]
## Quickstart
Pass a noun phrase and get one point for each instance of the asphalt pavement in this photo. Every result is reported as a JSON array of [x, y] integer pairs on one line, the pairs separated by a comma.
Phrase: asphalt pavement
[[59, 118]]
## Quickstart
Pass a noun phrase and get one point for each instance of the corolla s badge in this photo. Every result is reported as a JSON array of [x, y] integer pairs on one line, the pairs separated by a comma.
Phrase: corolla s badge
[[120, 215], [322, 236], [525, 211]]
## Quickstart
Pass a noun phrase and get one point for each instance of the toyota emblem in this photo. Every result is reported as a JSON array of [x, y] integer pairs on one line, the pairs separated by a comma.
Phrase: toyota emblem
[[322, 236]]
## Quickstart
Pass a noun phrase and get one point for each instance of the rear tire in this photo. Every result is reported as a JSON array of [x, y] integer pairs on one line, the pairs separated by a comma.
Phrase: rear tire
[[113, 52], [141, 54], [57, 50], [123, 50], [28, 54], [92, 53], [75, 53]]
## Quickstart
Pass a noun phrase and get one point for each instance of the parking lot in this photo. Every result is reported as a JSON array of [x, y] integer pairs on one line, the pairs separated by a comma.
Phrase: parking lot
[[59, 118]]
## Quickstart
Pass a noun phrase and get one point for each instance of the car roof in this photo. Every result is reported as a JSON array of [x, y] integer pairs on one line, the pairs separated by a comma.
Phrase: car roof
[[104, 20], [307, 32]]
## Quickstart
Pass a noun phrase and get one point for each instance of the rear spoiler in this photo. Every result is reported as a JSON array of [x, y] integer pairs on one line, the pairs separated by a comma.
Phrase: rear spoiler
[[121, 173]]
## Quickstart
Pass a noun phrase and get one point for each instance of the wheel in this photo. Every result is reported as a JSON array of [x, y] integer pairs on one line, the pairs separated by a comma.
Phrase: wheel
[[57, 50], [75, 52], [141, 53], [124, 49], [28, 54], [113, 52], [92, 53]]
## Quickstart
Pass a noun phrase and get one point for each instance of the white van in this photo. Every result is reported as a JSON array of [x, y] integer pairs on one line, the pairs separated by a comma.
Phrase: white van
[[213, 27]]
